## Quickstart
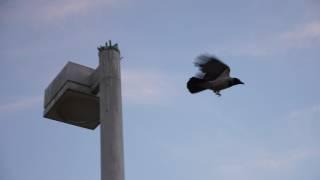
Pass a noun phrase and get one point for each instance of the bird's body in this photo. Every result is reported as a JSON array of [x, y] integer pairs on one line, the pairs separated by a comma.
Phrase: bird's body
[[220, 84], [215, 75]]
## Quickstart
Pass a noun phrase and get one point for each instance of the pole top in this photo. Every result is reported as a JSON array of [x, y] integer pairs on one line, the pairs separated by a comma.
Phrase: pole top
[[109, 45]]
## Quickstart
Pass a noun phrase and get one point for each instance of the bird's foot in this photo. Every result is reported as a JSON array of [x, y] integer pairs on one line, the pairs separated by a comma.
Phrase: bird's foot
[[217, 93]]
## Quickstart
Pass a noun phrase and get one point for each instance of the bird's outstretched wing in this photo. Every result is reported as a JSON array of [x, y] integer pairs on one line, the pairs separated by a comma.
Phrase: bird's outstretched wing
[[212, 67]]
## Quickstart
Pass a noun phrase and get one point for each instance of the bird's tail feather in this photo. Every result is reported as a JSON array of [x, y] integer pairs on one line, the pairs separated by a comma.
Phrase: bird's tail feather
[[195, 85]]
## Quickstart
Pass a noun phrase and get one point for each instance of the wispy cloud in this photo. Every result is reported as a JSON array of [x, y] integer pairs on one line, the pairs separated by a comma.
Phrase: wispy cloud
[[147, 87], [224, 156], [22, 104], [308, 114], [309, 31], [304, 125], [49, 10], [61, 9], [303, 35], [287, 160], [139, 87], [270, 163]]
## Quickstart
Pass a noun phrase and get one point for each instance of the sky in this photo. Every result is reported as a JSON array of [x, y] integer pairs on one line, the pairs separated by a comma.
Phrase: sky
[[266, 129]]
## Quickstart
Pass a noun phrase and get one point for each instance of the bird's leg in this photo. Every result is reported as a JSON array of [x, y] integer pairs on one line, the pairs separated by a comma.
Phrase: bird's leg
[[217, 93]]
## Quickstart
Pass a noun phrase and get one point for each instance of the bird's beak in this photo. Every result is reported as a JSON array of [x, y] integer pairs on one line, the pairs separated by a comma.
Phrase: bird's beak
[[241, 82]]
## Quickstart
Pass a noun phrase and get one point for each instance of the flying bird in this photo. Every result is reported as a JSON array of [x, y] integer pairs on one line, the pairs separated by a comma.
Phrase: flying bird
[[214, 75]]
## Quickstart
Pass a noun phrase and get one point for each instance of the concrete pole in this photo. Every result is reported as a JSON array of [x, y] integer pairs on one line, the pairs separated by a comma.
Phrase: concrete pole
[[112, 161]]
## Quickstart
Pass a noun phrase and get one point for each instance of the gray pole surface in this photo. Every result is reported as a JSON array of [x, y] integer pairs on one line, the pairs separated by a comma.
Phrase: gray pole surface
[[112, 161]]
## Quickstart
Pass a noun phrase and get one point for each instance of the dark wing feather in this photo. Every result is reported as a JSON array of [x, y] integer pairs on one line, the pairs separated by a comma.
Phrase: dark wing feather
[[211, 67]]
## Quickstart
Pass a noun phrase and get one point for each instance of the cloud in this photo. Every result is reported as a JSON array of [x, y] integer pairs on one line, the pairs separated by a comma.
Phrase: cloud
[[308, 114], [36, 10], [286, 160], [21, 104], [146, 86], [304, 125], [287, 150], [304, 35], [301, 36], [311, 30], [269, 164], [61, 9], [139, 87], [225, 158]]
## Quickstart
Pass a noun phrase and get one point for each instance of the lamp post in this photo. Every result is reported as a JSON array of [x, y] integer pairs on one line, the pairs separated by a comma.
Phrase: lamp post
[[110, 114], [87, 97]]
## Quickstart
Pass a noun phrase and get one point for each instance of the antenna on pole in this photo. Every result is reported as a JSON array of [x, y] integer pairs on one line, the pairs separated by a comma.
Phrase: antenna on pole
[[108, 45]]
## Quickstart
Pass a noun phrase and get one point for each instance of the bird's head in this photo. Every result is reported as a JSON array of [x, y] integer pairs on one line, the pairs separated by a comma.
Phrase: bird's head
[[237, 81]]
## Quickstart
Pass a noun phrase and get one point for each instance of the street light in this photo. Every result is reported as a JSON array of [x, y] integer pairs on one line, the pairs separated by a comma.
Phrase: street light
[[87, 97]]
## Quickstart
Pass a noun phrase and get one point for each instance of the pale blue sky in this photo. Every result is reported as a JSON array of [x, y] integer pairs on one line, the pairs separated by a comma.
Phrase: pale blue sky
[[267, 129]]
